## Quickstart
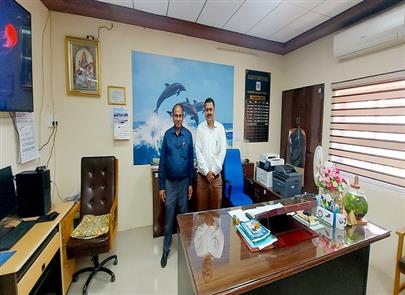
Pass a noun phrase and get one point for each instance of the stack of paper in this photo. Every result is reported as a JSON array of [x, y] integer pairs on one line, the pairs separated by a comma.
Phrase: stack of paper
[[261, 209], [310, 221]]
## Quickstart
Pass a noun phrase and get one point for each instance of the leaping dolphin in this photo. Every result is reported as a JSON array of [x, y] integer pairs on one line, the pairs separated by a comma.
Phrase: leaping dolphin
[[170, 90], [199, 105], [189, 110]]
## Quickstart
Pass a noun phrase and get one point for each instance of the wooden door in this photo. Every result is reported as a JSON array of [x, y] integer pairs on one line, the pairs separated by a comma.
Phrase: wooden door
[[303, 106]]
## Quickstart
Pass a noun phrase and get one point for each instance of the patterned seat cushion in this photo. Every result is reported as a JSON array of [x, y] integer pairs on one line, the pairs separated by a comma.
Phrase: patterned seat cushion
[[91, 226]]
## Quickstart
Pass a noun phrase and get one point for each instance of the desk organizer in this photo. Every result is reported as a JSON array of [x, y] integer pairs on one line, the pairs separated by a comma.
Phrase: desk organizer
[[328, 211]]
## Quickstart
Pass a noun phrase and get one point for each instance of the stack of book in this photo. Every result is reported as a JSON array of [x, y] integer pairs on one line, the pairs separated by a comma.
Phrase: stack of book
[[256, 236]]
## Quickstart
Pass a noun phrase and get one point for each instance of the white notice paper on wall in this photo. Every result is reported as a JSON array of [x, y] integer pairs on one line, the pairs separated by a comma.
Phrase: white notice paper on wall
[[121, 124], [25, 127]]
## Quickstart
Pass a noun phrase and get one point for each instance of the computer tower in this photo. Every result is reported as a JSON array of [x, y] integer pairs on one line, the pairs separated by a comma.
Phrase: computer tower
[[33, 192]]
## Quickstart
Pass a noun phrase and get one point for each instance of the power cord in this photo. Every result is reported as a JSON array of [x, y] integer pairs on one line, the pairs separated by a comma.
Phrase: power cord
[[49, 138], [57, 191], [103, 27], [53, 143]]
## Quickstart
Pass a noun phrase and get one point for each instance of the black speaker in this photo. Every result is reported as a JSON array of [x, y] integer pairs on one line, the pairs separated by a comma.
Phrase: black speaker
[[33, 192]]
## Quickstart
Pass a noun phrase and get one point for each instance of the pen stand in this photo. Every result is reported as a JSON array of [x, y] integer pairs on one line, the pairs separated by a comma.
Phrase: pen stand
[[328, 211]]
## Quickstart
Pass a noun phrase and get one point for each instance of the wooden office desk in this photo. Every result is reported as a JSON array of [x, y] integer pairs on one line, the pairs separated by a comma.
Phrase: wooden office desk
[[335, 262], [264, 193], [42, 246]]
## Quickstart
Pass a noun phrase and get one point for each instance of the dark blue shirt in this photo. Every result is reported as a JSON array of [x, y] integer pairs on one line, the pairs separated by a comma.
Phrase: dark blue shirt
[[176, 156]]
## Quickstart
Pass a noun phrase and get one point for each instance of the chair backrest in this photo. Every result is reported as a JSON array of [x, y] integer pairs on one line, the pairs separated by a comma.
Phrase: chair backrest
[[233, 169], [98, 185]]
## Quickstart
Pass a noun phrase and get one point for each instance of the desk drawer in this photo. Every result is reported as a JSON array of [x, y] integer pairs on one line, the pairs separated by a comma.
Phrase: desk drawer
[[38, 266]]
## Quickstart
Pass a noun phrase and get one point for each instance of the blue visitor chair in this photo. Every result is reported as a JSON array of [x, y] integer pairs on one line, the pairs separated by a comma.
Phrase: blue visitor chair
[[233, 179]]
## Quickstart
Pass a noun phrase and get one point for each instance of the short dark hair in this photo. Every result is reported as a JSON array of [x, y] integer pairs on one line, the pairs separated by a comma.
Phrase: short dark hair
[[177, 105], [209, 100]]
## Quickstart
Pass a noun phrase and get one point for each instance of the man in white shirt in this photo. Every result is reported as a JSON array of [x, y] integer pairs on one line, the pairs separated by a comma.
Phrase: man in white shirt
[[210, 150]]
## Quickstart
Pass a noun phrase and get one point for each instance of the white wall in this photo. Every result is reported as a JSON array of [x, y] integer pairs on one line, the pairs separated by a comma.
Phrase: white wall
[[8, 137], [314, 64], [85, 122]]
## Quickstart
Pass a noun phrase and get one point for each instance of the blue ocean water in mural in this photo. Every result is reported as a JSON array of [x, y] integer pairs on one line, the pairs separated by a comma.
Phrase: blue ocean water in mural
[[159, 82]]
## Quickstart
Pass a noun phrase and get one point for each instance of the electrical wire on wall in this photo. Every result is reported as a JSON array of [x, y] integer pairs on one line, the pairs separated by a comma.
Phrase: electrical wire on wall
[[43, 77], [103, 27], [53, 146]]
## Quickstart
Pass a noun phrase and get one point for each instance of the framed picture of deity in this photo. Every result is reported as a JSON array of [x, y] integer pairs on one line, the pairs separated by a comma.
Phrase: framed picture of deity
[[82, 67]]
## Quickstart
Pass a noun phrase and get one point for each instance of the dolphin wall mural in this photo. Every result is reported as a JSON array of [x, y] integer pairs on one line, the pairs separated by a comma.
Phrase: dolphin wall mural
[[159, 82], [170, 90]]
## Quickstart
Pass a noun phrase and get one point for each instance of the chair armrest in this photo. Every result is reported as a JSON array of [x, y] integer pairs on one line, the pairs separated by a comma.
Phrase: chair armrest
[[68, 221], [401, 232], [112, 231]]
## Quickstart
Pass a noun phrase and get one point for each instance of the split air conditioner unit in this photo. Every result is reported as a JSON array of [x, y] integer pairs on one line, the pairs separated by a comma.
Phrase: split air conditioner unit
[[385, 30]]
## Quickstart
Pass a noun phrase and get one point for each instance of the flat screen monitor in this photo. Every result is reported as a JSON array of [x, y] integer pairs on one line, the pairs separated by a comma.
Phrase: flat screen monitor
[[15, 58], [8, 199]]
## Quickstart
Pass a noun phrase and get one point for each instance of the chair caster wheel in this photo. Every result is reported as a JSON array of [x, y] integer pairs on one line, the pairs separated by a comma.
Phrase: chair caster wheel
[[115, 261], [75, 278], [112, 278]]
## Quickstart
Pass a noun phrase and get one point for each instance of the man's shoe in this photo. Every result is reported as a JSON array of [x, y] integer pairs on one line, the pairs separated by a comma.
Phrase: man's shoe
[[163, 261]]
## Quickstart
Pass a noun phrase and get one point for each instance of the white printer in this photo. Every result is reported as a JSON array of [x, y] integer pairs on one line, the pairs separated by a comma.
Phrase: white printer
[[265, 167]]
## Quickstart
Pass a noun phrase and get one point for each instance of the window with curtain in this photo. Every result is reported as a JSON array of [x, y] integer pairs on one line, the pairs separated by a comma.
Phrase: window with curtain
[[367, 132]]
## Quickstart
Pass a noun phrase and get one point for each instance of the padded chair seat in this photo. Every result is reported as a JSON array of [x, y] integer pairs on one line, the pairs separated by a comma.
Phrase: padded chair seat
[[89, 247], [402, 264], [240, 199]]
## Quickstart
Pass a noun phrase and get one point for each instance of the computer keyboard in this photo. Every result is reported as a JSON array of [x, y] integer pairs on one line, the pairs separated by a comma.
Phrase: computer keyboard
[[9, 239]]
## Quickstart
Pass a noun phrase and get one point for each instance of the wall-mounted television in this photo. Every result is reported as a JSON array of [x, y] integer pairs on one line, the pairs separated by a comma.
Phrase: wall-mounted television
[[15, 58]]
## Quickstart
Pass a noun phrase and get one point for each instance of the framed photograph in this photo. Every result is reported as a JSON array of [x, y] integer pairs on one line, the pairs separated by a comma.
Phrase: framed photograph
[[116, 95], [82, 67]]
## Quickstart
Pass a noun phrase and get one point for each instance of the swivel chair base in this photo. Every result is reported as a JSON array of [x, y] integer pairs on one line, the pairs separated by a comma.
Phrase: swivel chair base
[[94, 269]]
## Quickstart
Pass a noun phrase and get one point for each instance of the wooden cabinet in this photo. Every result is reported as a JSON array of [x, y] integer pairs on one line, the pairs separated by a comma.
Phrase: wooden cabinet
[[248, 169], [39, 264], [303, 107], [159, 206], [264, 194]]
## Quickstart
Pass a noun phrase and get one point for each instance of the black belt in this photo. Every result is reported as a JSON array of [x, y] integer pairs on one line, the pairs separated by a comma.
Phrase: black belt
[[215, 176]]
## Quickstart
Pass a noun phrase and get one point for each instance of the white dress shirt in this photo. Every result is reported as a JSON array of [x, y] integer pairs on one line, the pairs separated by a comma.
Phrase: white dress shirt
[[210, 148], [209, 239]]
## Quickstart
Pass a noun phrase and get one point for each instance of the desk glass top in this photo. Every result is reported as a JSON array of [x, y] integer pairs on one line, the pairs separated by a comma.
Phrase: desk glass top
[[220, 261]]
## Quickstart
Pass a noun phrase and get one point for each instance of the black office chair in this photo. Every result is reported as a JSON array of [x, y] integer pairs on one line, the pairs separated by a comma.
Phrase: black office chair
[[99, 178]]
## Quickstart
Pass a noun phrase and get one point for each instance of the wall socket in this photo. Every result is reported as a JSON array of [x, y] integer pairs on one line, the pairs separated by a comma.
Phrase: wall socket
[[51, 122]]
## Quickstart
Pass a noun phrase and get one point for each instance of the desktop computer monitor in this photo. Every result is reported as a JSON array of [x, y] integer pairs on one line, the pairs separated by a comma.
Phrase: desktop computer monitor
[[8, 199]]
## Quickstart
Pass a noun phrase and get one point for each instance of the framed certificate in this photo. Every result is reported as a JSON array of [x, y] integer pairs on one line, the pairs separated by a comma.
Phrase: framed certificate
[[116, 95]]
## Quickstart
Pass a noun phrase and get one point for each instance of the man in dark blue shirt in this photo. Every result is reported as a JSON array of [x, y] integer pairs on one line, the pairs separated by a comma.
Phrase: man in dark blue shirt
[[176, 172]]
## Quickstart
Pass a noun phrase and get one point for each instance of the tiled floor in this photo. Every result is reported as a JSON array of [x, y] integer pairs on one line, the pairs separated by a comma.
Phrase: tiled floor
[[139, 272]]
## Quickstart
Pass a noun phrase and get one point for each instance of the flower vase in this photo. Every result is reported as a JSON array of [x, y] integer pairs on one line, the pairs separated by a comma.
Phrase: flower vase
[[355, 201]]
